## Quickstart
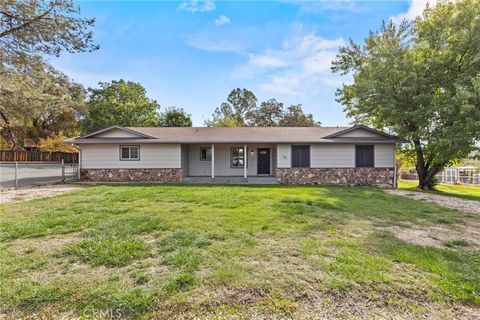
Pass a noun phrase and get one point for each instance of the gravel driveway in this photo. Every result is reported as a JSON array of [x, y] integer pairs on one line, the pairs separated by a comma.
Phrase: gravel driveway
[[469, 206]]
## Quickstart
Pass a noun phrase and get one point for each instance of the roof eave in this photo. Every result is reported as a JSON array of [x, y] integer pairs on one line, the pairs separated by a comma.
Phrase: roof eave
[[157, 141]]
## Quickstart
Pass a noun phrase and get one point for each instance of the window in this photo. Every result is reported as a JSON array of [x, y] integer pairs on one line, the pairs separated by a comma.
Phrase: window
[[236, 157], [364, 156], [300, 156], [129, 153], [205, 154]]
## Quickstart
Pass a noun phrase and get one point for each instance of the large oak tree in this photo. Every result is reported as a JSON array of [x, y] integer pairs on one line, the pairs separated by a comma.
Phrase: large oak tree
[[36, 100], [420, 80], [122, 103]]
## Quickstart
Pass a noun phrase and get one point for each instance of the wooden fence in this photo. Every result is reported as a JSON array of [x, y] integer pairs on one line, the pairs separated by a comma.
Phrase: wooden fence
[[14, 156]]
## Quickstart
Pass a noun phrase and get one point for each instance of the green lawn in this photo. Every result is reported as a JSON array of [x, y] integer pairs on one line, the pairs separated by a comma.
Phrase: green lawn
[[212, 251], [459, 191]]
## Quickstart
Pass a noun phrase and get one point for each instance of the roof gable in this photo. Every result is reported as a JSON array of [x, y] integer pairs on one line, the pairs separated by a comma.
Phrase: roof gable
[[117, 132], [361, 131]]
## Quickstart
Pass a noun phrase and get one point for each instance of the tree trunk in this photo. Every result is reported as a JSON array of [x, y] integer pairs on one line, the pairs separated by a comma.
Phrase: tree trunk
[[10, 133], [425, 170], [426, 179]]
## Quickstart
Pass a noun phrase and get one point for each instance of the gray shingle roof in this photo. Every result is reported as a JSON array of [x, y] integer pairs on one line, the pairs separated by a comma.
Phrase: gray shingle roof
[[233, 135]]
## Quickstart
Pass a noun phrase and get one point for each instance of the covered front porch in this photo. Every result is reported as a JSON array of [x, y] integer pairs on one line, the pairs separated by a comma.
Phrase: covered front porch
[[237, 162]]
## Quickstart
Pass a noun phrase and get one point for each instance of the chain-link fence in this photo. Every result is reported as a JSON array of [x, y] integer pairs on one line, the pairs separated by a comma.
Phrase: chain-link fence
[[13, 174]]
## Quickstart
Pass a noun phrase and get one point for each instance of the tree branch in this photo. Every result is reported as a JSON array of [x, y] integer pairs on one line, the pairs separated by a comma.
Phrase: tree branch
[[27, 23]]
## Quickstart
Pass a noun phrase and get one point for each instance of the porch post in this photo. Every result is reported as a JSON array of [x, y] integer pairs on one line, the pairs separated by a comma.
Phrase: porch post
[[213, 162], [245, 156]]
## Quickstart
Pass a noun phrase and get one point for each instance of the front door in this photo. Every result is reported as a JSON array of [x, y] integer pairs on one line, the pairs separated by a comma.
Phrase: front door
[[263, 161]]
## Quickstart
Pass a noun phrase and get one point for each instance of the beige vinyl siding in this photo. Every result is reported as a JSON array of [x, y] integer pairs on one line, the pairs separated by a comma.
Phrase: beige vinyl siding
[[107, 156], [283, 156], [184, 159], [336, 155], [332, 156], [116, 133], [198, 168], [360, 133], [384, 155]]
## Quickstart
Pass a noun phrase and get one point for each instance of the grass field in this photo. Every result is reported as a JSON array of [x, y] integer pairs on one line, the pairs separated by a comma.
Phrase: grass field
[[451, 190], [212, 251]]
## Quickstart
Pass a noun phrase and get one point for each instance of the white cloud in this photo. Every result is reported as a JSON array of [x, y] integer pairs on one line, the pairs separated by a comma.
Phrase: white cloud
[[197, 6], [320, 6], [301, 65], [266, 61], [204, 42], [221, 20], [415, 9]]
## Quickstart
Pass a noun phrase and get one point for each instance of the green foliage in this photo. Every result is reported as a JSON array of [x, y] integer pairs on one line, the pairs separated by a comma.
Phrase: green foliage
[[420, 80], [120, 103], [36, 100], [268, 114], [175, 117], [47, 27], [239, 103], [295, 117], [241, 110]]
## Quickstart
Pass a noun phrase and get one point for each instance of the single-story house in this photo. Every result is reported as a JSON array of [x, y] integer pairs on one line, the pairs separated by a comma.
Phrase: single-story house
[[356, 155]]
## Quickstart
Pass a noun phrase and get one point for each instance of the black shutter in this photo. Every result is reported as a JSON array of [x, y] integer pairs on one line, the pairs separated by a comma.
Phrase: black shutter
[[296, 157], [300, 156], [369, 162], [306, 156], [364, 156]]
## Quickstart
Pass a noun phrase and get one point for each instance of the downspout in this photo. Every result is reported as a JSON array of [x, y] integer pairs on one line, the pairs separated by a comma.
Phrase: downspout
[[395, 167]]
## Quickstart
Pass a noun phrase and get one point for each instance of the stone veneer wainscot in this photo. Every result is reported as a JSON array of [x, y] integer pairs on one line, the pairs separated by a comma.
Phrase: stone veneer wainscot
[[380, 177], [132, 175]]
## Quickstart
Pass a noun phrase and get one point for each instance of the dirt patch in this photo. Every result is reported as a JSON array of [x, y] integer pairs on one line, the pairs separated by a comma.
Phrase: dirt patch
[[383, 305], [34, 192], [464, 205], [43, 245], [439, 237]]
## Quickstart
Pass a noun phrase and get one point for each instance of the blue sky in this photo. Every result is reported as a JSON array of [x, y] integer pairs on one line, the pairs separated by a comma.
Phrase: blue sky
[[191, 54]]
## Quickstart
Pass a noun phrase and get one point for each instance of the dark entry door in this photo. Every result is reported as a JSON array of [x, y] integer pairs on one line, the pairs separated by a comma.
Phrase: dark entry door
[[263, 161]]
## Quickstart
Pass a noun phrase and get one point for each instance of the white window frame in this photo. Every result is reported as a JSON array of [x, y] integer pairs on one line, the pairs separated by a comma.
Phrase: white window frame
[[243, 158], [130, 147], [207, 158]]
